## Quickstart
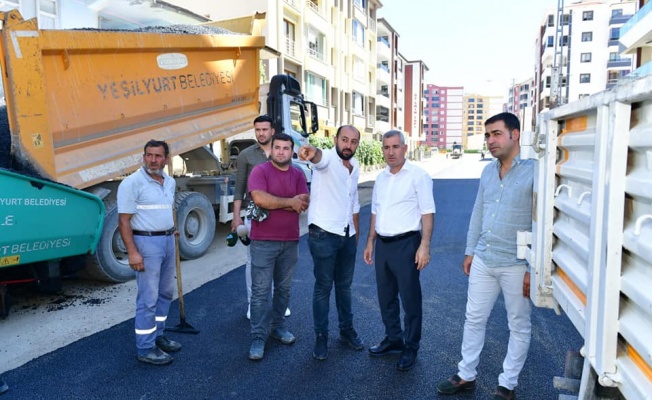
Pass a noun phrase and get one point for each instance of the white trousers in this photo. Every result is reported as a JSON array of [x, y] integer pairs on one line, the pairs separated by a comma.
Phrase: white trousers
[[485, 284]]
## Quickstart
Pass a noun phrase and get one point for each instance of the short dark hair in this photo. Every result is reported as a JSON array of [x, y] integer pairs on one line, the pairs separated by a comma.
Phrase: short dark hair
[[264, 118], [284, 137], [157, 143], [347, 126], [511, 121]]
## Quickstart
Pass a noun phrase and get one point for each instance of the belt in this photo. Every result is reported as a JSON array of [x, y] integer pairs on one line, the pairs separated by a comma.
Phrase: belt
[[157, 233], [313, 226], [400, 236]]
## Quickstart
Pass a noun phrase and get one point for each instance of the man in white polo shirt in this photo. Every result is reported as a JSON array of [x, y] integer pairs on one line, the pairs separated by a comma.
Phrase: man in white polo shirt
[[402, 219], [333, 225], [146, 222]]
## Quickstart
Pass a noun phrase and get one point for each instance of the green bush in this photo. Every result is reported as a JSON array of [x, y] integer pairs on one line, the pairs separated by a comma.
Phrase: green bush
[[369, 152]]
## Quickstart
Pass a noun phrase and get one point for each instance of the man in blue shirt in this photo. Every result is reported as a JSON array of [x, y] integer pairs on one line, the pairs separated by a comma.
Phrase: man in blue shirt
[[503, 207]]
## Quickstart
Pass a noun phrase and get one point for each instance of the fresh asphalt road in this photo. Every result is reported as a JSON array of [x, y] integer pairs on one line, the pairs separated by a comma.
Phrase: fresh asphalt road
[[214, 363]]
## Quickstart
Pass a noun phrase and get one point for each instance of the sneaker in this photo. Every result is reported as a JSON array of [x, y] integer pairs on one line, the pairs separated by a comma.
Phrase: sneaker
[[156, 356], [3, 386], [321, 347], [502, 393], [283, 335], [453, 385], [288, 312], [249, 311], [167, 345], [350, 337], [231, 239], [257, 349]]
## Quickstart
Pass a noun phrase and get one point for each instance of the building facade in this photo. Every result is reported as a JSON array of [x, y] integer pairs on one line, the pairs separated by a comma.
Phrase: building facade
[[578, 51], [443, 116]]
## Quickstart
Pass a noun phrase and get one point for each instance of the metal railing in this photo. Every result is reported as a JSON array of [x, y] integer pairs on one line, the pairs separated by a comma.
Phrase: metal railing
[[314, 53], [290, 47], [638, 17]]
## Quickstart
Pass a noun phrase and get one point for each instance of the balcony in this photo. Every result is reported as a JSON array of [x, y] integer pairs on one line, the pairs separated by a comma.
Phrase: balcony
[[383, 100], [637, 31], [619, 63], [619, 19], [290, 48], [316, 54], [383, 51], [382, 74], [372, 25], [293, 3]]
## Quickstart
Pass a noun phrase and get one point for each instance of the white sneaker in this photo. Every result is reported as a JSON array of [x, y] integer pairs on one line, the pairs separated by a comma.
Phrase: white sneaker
[[288, 312], [249, 311]]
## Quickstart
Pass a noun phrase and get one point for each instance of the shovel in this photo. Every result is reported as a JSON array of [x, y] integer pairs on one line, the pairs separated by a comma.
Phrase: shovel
[[183, 326]]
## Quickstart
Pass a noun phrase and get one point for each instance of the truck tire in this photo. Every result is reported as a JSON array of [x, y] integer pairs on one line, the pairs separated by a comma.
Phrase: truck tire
[[195, 223], [110, 262]]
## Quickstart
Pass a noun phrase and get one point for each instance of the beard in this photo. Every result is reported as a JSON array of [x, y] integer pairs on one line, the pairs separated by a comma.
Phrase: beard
[[344, 156], [154, 171]]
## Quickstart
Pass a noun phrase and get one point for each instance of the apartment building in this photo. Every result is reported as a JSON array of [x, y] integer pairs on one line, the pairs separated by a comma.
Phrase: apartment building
[[636, 38], [390, 80], [443, 116], [520, 103], [578, 51], [329, 46]]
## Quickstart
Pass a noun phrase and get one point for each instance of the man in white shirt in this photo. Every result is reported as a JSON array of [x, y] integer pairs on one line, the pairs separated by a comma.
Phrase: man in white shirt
[[402, 219], [333, 224]]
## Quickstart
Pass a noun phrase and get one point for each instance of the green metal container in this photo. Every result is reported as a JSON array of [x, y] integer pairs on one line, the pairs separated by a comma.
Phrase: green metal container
[[42, 220]]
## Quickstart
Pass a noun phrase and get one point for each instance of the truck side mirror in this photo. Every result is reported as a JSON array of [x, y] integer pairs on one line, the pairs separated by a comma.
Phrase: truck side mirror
[[314, 117]]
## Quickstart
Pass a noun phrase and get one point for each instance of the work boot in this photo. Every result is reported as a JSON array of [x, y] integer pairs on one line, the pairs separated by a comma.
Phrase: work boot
[[156, 356], [257, 350], [167, 345]]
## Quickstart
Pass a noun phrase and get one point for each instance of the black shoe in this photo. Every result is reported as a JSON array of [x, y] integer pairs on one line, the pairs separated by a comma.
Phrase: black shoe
[[454, 385], [408, 357], [167, 345], [350, 337], [157, 357], [386, 347], [321, 347]]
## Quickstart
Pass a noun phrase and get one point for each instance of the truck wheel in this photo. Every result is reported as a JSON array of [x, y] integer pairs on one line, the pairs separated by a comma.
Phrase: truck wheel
[[110, 262], [195, 223]]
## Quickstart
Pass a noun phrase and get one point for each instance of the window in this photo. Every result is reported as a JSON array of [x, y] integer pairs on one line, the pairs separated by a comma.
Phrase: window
[[550, 42], [565, 19], [587, 16], [316, 88], [585, 57], [358, 32], [358, 69], [564, 40], [583, 95], [358, 103], [316, 44], [614, 33], [587, 36], [361, 4], [47, 14], [617, 12], [585, 78], [551, 20], [614, 57]]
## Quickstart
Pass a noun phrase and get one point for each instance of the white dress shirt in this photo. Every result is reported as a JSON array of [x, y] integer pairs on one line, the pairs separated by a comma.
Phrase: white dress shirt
[[334, 194], [399, 200]]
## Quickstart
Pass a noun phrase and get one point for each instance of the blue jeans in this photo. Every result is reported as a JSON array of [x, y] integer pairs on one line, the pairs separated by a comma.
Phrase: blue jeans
[[334, 261], [156, 286], [272, 262]]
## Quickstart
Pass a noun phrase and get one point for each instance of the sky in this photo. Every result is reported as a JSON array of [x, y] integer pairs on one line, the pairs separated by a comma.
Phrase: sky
[[482, 45]]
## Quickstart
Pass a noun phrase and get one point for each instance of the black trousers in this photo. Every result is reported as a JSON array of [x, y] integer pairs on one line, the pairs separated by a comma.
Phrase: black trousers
[[397, 275]]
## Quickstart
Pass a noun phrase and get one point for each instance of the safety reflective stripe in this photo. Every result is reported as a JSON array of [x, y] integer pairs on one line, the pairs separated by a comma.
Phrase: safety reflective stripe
[[154, 206], [145, 331], [161, 319]]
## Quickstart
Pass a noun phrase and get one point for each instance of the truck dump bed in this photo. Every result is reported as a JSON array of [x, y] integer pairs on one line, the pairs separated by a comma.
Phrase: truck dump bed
[[79, 117]]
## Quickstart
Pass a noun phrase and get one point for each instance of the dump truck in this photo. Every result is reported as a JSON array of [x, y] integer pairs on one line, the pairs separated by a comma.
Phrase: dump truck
[[80, 106], [590, 247]]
